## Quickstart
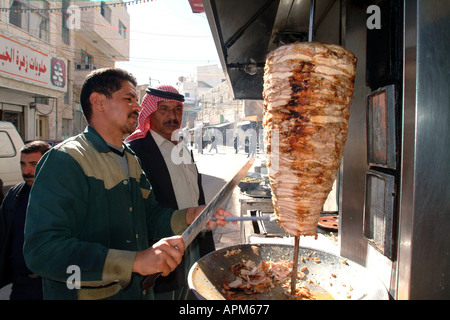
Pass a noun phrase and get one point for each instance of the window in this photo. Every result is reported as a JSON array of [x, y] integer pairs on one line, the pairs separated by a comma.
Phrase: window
[[105, 11], [43, 25], [6, 145], [14, 15], [13, 114], [66, 128], [41, 127], [86, 58], [32, 20], [41, 100], [67, 93], [66, 97], [122, 30], [65, 32]]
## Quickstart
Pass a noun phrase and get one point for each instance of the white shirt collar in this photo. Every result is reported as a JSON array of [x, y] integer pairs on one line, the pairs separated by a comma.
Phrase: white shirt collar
[[159, 139]]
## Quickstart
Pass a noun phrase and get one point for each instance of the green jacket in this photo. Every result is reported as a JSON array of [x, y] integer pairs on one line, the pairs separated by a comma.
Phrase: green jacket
[[85, 213]]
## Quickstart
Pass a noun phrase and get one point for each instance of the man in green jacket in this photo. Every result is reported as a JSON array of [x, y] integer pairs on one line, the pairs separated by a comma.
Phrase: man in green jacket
[[92, 214]]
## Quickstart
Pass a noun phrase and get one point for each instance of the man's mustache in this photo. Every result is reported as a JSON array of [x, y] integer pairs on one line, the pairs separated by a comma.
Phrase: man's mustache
[[172, 122], [28, 176]]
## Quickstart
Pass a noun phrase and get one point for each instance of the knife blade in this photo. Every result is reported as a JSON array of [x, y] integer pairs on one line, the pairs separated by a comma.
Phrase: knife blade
[[202, 219]]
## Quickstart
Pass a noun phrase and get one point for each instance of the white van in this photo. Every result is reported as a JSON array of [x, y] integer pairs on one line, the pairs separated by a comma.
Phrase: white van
[[10, 145]]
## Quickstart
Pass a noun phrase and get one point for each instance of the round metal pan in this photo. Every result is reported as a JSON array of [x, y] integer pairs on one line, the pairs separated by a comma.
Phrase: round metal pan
[[340, 277]]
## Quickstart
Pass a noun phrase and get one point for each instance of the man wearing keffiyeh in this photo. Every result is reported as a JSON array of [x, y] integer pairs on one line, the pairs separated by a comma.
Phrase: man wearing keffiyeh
[[176, 184]]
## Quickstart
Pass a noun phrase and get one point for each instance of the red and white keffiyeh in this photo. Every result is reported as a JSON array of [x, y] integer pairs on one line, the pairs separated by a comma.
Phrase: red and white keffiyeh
[[148, 106]]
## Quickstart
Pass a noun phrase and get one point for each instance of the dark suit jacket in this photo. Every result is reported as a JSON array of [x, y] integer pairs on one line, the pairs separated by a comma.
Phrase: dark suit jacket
[[155, 168], [7, 210]]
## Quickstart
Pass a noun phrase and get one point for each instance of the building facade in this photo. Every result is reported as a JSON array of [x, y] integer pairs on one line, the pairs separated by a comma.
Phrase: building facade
[[46, 50]]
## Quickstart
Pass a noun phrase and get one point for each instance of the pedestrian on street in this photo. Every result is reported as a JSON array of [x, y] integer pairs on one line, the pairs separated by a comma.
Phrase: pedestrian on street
[[213, 144], [25, 284], [92, 213], [252, 146], [176, 181]]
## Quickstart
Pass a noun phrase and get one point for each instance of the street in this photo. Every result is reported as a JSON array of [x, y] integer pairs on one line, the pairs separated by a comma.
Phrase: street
[[217, 169]]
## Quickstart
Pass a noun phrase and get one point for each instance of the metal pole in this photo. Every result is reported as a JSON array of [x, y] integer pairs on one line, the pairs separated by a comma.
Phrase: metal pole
[[312, 10], [295, 266], [297, 238]]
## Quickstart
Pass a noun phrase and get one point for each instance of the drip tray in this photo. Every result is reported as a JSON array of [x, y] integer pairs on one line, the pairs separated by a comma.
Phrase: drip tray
[[329, 222]]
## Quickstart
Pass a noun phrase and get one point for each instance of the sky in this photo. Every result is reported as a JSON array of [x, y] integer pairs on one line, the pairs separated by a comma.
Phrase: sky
[[167, 41]]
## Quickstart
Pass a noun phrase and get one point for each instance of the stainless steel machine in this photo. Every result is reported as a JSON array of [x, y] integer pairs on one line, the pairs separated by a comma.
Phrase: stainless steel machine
[[394, 189]]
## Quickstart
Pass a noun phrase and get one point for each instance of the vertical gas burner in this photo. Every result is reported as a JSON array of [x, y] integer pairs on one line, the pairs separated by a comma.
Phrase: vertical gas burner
[[381, 128], [379, 213]]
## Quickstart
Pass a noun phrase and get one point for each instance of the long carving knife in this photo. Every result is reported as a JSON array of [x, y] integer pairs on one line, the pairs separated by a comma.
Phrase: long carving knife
[[199, 223]]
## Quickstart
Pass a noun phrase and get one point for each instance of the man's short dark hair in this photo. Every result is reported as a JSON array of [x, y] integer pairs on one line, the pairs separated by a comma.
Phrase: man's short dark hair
[[36, 146], [105, 81]]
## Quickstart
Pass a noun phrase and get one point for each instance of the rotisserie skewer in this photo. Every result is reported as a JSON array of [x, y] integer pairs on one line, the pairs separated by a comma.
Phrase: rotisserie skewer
[[295, 265]]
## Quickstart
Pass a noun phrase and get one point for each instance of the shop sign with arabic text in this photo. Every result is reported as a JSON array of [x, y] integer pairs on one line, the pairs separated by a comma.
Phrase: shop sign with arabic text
[[21, 62]]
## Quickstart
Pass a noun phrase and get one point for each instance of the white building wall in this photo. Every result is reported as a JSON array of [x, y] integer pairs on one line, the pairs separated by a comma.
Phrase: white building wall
[[18, 94]]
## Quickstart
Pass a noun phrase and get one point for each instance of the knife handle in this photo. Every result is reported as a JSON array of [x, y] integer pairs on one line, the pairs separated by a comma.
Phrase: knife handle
[[149, 281]]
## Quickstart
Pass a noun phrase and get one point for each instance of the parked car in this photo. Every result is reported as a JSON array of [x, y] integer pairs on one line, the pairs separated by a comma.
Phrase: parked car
[[10, 145]]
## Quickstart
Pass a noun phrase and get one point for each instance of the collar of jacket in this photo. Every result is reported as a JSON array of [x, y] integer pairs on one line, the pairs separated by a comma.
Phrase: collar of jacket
[[99, 143]]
